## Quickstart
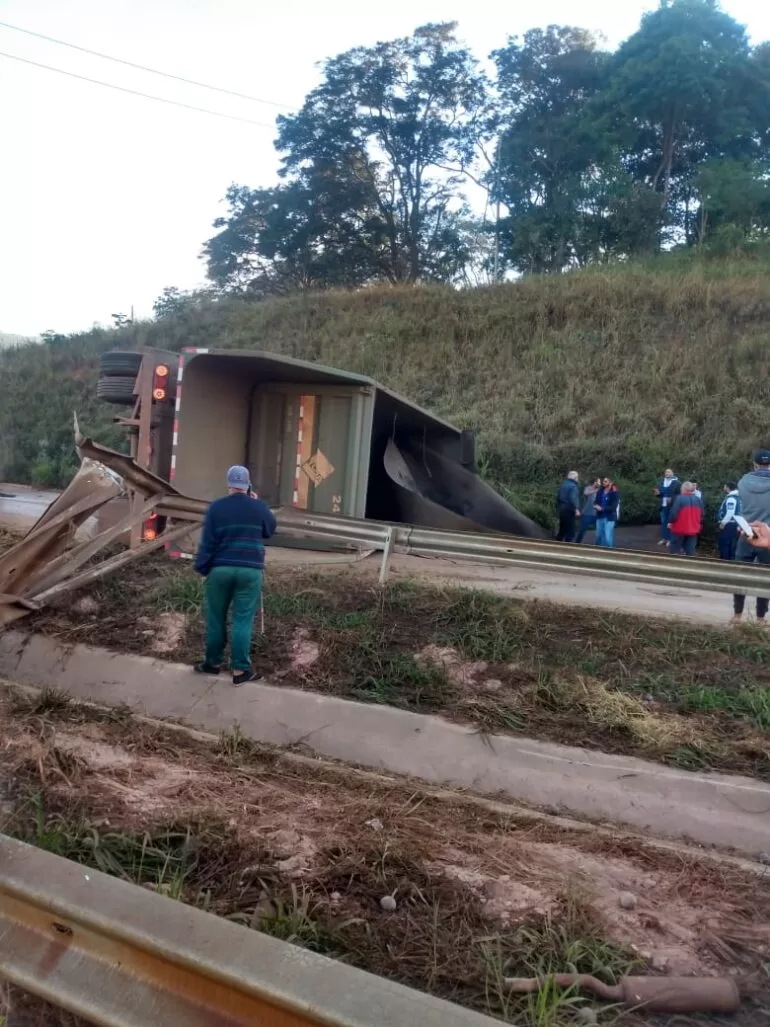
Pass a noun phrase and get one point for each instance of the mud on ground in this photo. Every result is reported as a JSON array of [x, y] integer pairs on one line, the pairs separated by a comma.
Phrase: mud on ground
[[306, 851], [694, 697]]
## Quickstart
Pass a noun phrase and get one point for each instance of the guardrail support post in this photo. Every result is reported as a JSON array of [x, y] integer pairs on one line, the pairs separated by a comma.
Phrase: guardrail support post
[[386, 555]]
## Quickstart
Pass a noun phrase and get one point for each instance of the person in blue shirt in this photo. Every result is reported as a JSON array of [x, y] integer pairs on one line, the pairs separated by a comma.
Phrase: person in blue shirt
[[727, 537], [231, 557], [607, 506]]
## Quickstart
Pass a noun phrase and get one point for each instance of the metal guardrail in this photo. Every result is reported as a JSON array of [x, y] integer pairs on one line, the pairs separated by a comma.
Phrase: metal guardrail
[[623, 565], [619, 564], [122, 956]]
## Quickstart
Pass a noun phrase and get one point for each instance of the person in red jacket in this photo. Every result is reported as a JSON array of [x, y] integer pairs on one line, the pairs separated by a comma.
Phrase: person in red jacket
[[686, 521]]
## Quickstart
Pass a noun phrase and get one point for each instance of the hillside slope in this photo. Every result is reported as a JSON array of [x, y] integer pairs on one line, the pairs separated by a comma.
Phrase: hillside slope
[[620, 372]]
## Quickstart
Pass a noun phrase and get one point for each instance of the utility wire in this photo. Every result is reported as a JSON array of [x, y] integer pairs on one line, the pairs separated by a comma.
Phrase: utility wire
[[135, 92], [142, 67]]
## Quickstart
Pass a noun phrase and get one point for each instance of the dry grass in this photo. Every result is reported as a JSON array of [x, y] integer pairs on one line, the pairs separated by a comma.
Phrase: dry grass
[[618, 371], [305, 851], [695, 697]]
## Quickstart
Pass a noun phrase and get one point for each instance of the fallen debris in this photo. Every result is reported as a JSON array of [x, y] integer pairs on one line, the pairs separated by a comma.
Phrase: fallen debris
[[651, 994]]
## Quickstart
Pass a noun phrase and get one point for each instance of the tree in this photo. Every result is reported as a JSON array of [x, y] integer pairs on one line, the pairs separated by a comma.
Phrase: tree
[[294, 236], [549, 146], [53, 338], [679, 94], [171, 301], [734, 201], [373, 167]]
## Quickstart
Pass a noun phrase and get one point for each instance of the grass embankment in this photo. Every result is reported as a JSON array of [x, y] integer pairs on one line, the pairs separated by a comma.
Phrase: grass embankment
[[619, 371], [305, 851], [693, 697]]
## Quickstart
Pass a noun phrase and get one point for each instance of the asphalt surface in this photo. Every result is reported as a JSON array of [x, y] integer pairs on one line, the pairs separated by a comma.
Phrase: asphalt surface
[[20, 508]]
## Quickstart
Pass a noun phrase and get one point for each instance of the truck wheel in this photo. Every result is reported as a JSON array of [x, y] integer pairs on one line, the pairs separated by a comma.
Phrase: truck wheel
[[116, 390], [119, 363]]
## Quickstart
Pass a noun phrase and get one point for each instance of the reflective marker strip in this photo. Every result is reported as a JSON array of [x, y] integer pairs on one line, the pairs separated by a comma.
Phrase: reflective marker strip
[[298, 465], [172, 549]]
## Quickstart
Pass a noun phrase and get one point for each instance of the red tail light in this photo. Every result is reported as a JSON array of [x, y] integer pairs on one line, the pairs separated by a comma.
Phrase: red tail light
[[150, 528], [160, 383]]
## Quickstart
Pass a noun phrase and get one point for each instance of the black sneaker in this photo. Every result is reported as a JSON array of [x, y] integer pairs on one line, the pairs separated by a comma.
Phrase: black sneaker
[[241, 677], [206, 668]]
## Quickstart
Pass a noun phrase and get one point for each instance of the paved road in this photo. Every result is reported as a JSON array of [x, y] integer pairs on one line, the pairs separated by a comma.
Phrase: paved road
[[20, 507]]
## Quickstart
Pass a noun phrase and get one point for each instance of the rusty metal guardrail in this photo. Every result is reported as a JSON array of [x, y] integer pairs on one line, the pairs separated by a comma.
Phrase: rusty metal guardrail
[[122, 956]]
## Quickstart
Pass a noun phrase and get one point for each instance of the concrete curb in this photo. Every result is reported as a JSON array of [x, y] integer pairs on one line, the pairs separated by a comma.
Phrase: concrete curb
[[710, 809]]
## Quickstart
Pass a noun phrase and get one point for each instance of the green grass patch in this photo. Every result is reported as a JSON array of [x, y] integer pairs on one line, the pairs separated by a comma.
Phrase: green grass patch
[[679, 693]]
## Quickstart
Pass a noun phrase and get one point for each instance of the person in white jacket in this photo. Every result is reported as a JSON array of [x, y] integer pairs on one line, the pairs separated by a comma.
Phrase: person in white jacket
[[727, 537]]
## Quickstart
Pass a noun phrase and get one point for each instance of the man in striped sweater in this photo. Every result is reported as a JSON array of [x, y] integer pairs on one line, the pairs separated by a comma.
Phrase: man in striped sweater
[[231, 557]]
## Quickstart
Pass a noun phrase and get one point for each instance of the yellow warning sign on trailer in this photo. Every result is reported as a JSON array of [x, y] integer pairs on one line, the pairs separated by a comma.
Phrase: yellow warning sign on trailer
[[318, 468]]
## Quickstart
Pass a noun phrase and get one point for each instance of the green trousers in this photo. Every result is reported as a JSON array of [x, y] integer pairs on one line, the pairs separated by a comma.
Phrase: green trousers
[[241, 589]]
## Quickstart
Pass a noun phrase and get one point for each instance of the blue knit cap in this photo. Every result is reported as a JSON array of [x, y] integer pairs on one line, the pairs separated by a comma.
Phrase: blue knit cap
[[238, 478]]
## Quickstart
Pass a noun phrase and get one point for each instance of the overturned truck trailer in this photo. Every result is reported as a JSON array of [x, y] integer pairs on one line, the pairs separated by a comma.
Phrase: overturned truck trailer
[[315, 438]]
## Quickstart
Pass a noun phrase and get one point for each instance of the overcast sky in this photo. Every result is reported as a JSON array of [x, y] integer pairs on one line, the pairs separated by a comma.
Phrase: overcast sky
[[106, 198]]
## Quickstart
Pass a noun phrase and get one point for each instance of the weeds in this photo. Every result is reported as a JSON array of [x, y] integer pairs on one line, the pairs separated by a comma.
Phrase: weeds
[[686, 695], [182, 593], [230, 858], [296, 917], [395, 679], [234, 745], [49, 702]]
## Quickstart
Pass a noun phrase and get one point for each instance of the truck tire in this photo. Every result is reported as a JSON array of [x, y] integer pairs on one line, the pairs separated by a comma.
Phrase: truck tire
[[116, 390], [119, 364]]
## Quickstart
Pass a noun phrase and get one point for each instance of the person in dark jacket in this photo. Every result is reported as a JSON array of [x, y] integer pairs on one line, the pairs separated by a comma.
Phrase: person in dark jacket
[[606, 504], [754, 495], [666, 490], [231, 557], [588, 516], [727, 536], [686, 521], [568, 507]]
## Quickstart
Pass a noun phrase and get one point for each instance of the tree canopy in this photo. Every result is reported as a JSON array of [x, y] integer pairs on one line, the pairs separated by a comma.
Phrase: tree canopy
[[408, 164]]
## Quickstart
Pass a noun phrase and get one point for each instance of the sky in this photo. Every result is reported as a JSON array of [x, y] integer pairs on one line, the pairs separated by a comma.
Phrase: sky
[[107, 198]]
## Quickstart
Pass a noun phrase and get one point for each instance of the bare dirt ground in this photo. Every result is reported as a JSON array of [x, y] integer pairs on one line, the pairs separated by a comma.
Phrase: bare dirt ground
[[307, 851]]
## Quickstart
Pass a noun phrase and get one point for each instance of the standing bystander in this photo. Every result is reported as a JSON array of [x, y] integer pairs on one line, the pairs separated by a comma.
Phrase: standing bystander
[[607, 505], [754, 496], [685, 522], [667, 490], [588, 516], [231, 557], [727, 537], [568, 507]]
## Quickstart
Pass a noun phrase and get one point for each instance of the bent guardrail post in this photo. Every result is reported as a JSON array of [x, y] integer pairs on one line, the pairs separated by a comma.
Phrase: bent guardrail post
[[122, 956]]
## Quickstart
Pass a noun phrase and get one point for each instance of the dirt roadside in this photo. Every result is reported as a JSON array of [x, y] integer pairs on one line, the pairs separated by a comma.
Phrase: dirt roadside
[[307, 851], [689, 696]]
